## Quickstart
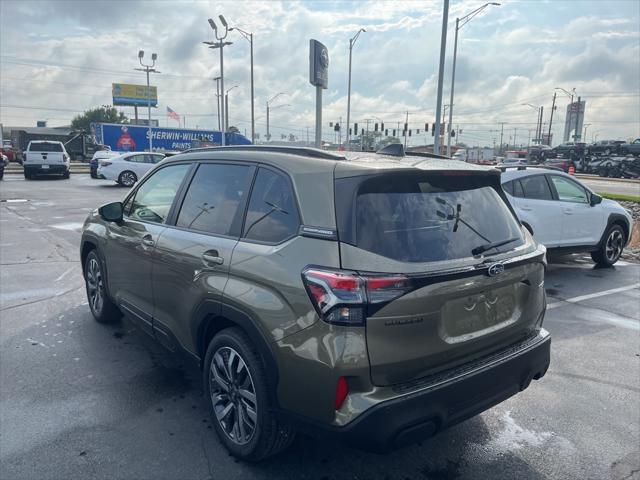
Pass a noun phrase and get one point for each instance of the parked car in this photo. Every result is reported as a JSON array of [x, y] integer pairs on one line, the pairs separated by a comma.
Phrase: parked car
[[572, 150], [632, 148], [128, 168], [9, 153], [605, 147], [371, 298], [563, 164], [46, 157], [4, 161], [567, 216], [100, 155]]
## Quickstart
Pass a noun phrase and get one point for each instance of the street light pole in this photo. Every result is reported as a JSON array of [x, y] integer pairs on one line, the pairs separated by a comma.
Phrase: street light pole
[[220, 44], [217, 79], [352, 42], [269, 102], [443, 47], [148, 69], [226, 105], [466, 19], [249, 37]]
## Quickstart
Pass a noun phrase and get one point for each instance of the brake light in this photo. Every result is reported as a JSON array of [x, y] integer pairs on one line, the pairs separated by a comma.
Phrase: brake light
[[342, 390], [65, 157], [341, 297]]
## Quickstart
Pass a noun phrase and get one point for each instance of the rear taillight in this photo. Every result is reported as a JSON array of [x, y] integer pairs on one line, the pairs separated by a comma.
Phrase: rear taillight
[[341, 297], [65, 157]]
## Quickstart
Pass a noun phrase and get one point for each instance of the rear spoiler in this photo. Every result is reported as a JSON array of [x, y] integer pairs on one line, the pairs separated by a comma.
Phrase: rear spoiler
[[397, 150]]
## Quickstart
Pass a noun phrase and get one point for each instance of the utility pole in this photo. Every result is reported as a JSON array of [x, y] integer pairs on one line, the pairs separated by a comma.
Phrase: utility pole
[[443, 48], [148, 69], [406, 132], [501, 135], [515, 133], [577, 132], [553, 107], [217, 79], [540, 127]]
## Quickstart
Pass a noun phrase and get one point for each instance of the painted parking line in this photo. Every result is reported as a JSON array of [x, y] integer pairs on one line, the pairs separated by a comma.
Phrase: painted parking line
[[582, 298]]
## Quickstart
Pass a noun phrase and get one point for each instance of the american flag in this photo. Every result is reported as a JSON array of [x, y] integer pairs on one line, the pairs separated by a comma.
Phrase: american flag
[[172, 114]]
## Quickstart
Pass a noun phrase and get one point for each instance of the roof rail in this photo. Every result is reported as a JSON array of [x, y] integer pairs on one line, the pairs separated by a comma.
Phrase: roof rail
[[398, 150], [502, 167], [301, 151]]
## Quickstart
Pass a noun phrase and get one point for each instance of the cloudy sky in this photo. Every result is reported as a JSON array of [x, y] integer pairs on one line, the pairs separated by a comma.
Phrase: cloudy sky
[[60, 57]]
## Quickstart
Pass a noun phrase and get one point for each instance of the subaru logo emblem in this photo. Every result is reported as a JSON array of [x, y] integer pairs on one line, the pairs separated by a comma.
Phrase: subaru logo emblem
[[495, 269]]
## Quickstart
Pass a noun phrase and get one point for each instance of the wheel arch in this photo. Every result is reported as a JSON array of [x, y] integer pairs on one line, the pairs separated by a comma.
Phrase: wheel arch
[[616, 219], [212, 317]]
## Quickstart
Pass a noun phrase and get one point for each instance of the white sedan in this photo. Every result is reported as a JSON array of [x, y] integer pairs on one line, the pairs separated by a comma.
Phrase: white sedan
[[565, 215], [127, 168]]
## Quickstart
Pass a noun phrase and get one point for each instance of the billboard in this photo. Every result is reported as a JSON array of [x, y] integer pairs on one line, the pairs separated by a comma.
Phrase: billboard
[[130, 138], [126, 94], [573, 121]]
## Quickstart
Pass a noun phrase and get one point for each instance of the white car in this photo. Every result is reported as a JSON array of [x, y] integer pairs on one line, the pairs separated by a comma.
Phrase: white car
[[95, 160], [566, 216], [127, 168], [46, 157]]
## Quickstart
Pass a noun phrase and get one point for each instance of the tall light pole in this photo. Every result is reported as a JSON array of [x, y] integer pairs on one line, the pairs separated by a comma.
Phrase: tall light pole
[[269, 102], [226, 105], [148, 69], [220, 44], [460, 22], [538, 123], [249, 38], [443, 48], [352, 42], [217, 79]]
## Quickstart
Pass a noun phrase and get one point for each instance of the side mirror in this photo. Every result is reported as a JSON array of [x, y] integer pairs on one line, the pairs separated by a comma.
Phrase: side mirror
[[595, 199], [112, 212]]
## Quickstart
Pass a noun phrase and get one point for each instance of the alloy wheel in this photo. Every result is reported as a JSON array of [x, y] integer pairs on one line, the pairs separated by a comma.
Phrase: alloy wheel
[[128, 179], [233, 395], [613, 248], [95, 288]]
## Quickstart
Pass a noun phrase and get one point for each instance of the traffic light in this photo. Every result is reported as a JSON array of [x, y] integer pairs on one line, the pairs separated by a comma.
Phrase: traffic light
[[433, 129], [409, 132], [362, 131], [355, 128], [330, 124], [417, 131], [406, 127], [386, 133], [382, 126], [350, 132], [453, 133], [375, 127], [336, 127], [394, 132], [426, 127]]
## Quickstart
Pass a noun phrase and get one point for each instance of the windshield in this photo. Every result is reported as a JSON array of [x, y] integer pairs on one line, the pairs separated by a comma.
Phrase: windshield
[[45, 147], [433, 219]]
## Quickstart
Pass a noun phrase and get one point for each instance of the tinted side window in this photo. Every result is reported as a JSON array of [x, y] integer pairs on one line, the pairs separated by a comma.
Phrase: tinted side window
[[212, 201], [508, 187], [568, 190], [536, 187], [135, 158], [152, 201], [272, 215]]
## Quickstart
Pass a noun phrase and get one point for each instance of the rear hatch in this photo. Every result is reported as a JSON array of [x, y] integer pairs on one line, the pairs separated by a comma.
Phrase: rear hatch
[[445, 301], [45, 153]]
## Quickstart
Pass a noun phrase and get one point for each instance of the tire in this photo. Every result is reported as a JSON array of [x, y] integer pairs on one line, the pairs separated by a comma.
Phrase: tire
[[93, 175], [66, 174], [269, 434], [127, 178], [27, 176], [1, 174], [101, 306], [611, 248]]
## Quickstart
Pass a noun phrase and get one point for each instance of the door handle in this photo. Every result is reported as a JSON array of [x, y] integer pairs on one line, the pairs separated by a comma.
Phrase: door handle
[[212, 257], [526, 208], [568, 211], [147, 241]]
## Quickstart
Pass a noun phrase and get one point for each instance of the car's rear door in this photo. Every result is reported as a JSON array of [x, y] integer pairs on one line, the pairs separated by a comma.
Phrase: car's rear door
[[449, 309], [131, 243], [194, 252]]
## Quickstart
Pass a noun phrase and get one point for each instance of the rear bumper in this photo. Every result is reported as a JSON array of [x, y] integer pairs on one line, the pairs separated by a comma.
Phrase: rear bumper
[[56, 169], [449, 399]]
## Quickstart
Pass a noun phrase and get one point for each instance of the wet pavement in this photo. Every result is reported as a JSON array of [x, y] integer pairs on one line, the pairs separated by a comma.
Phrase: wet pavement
[[82, 400]]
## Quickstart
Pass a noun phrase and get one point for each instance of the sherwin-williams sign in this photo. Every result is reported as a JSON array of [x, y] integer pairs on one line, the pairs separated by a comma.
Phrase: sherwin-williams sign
[[127, 94]]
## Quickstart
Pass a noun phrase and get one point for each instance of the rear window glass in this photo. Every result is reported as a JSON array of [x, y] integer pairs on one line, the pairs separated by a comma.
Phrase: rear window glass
[[45, 147], [432, 219]]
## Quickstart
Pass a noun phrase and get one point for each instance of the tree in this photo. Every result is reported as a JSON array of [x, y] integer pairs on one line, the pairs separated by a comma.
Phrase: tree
[[103, 114]]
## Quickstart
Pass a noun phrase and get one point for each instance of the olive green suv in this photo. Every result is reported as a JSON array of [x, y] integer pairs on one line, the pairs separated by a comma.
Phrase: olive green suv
[[373, 297]]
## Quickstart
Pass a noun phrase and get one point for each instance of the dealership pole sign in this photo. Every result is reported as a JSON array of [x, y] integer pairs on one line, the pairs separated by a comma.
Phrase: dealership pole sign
[[573, 121], [126, 94], [318, 77]]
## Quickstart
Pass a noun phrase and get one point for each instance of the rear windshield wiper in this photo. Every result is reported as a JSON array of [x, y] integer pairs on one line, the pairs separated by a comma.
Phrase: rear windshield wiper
[[489, 246]]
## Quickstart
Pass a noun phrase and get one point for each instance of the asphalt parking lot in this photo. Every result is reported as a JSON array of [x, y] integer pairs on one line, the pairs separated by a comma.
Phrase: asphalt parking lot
[[82, 400]]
